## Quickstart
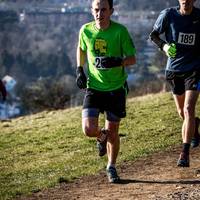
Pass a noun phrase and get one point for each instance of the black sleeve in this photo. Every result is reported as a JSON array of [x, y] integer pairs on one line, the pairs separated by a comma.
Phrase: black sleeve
[[3, 89], [154, 37]]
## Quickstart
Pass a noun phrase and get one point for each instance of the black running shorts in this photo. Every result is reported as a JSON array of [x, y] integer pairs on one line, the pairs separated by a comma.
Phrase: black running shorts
[[111, 101], [180, 82]]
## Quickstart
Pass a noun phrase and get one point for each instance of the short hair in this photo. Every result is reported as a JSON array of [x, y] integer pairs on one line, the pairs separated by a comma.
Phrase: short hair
[[110, 2]]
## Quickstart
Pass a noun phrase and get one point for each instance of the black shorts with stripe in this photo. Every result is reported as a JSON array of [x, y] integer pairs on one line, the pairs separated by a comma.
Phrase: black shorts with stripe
[[180, 82]]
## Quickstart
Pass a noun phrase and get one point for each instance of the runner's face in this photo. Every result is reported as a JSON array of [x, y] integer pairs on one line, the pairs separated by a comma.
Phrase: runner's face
[[101, 12], [186, 6]]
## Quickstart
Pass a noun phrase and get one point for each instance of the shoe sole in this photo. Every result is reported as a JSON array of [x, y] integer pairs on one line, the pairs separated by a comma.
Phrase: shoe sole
[[102, 154], [113, 177], [114, 181]]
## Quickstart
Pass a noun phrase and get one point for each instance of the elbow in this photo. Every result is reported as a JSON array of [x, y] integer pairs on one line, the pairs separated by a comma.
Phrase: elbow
[[154, 34], [133, 61], [154, 37], [129, 61]]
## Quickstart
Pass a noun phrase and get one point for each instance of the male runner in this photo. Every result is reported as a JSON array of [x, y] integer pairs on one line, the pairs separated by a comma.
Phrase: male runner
[[108, 48], [181, 26]]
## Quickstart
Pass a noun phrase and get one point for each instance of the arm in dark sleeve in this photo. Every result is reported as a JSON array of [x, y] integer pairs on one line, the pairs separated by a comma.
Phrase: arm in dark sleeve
[[154, 37], [3, 90]]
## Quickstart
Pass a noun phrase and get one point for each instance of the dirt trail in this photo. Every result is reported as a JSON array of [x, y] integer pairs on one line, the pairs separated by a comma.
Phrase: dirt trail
[[154, 177]]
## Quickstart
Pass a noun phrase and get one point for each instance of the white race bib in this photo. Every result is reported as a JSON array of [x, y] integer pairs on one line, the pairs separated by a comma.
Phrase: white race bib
[[98, 63], [186, 38]]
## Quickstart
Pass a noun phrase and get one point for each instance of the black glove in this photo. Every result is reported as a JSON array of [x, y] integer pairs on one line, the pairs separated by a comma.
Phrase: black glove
[[81, 79], [3, 91], [110, 62]]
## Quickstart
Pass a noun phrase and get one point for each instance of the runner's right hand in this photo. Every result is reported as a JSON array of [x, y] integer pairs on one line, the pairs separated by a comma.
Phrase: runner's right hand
[[81, 79]]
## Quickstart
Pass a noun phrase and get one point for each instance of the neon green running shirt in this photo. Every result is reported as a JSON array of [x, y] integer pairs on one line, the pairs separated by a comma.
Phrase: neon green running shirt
[[114, 41]]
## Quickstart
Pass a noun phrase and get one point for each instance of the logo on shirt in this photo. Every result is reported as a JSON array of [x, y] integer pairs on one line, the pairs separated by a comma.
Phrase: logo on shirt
[[100, 47], [186, 38]]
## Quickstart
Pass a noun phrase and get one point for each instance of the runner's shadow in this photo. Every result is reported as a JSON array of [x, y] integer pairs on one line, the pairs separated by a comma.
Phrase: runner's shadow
[[128, 181]]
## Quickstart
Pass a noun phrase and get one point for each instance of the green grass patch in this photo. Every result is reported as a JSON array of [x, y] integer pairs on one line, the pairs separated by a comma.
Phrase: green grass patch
[[48, 148]]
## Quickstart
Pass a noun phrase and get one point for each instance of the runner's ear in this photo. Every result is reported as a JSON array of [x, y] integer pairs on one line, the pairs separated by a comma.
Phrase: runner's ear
[[112, 10]]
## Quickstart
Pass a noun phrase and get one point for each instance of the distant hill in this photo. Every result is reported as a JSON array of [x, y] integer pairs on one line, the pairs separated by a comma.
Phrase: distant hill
[[147, 5], [125, 4], [155, 5], [38, 42]]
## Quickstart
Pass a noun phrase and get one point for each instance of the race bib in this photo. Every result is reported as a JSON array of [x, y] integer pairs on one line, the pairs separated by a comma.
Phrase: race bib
[[98, 63], [186, 38]]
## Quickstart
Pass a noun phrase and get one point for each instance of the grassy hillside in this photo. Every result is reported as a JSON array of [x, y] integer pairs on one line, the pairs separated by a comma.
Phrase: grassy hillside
[[41, 150]]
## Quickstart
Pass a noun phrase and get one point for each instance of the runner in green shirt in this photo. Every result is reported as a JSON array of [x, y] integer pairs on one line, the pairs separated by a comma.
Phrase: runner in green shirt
[[100, 44], [108, 49]]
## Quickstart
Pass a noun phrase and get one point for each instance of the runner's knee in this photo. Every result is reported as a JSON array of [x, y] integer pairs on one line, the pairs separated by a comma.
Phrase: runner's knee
[[90, 131], [188, 111]]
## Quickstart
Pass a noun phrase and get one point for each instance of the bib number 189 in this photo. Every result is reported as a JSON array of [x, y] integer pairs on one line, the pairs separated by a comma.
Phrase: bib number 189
[[186, 38]]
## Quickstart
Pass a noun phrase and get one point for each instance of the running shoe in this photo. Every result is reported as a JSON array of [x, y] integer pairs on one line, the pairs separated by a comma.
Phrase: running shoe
[[196, 139], [183, 160], [102, 143], [112, 175]]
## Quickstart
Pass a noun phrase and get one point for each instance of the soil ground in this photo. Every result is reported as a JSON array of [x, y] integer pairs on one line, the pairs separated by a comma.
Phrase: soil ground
[[154, 177]]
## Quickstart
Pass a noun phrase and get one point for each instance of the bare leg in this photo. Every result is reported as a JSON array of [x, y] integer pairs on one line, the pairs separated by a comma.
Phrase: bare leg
[[179, 101], [185, 105], [186, 108], [113, 141], [90, 127], [189, 114]]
